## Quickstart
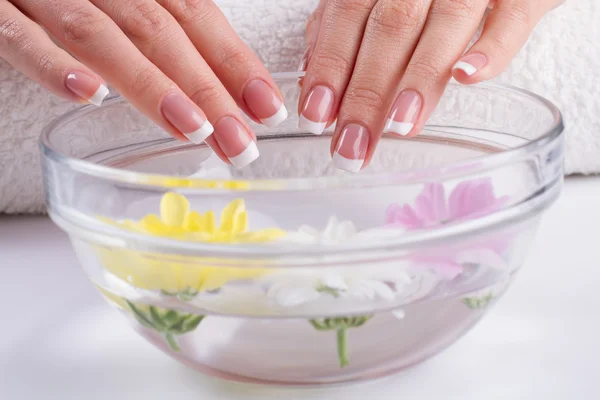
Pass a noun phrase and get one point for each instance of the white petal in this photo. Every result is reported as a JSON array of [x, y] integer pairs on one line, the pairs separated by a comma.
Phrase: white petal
[[484, 257], [399, 313], [289, 296], [382, 290], [334, 282]]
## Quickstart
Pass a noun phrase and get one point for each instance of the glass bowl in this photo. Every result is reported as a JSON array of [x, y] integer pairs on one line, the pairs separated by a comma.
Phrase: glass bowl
[[290, 271]]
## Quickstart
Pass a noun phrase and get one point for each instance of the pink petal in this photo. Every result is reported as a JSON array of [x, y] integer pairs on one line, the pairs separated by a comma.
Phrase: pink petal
[[402, 215], [430, 205]]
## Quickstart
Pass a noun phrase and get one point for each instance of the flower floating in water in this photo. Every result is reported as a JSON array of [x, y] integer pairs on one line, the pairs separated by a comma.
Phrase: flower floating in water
[[337, 232], [368, 282], [180, 276], [432, 208], [178, 221], [468, 200], [365, 282]]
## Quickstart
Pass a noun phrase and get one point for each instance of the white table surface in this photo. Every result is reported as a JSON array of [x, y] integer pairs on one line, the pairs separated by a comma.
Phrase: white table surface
[[58, 340]]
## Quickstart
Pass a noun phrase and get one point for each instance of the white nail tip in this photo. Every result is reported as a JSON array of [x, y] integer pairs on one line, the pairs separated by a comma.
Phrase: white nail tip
[[280, 116], [465, 67], [307, 125], [245, 157], [99, 96], [400, 128], [347, 164], [201, 134]]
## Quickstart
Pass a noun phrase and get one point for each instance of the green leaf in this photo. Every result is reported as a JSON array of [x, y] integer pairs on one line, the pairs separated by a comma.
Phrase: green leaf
[[477, 303], [192, 323], [170, 318], [172, 342], [156, 318], [139, 315]]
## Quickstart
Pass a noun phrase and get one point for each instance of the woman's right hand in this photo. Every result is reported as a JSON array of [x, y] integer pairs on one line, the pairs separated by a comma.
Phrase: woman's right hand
[[178, 61]]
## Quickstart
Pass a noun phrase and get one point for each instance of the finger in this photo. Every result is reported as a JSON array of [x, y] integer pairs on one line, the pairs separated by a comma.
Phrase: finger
[[450, 26], [332, 62], [237, 67], [156, 33], [391, 35], [313, 26], [94, 39], [29, 49], [505, 32]]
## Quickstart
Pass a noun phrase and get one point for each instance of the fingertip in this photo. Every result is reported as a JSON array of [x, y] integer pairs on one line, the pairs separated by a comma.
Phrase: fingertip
[[467, 70]]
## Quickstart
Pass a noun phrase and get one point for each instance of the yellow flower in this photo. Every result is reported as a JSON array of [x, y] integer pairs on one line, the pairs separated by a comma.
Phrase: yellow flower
[[175, 274]]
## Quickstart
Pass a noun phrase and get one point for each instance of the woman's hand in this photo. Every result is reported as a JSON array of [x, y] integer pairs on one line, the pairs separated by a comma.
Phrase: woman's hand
[[382, 65], [177, 61]]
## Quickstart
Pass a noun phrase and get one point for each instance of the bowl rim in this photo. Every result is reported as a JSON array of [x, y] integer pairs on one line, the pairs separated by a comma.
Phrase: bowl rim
[[444, 172]]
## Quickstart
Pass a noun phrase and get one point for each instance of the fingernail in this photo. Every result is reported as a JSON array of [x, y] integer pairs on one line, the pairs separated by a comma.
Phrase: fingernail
[[316, 111], [236, 142], [351, 149], [405, 113], [471, 64], [88, 87], [187, 117], [264, 103]]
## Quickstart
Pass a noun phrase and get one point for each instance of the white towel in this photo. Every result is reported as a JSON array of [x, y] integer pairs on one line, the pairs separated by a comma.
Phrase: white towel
[[561, 62]]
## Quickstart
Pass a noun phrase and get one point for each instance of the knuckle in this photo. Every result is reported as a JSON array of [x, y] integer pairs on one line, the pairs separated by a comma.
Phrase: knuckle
[[427, 70], [80, 25], [189, 10], [46, 63], [331, 60], [233, 61], [209, 92], [11, 34], [397, 15], [519, 14], [145, 20], [364, 97], [352, 6], [499, 46], [145, 81], [455, 8]]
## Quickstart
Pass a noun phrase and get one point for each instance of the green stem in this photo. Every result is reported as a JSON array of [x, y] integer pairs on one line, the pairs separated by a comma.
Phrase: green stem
[[172, 342], [342, 347]]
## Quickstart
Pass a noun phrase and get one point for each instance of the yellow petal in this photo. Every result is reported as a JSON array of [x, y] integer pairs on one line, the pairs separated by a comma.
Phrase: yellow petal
[[264, 235], [173, 209], [230, 213], [209, 224], [193, 222], [241, 223]]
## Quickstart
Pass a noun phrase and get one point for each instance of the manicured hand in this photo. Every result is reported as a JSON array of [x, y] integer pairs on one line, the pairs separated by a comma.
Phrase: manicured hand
[[178, 61], [382, 65]]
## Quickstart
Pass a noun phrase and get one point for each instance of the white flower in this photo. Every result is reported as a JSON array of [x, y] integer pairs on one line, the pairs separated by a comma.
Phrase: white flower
[[294, 288], [337, 232]]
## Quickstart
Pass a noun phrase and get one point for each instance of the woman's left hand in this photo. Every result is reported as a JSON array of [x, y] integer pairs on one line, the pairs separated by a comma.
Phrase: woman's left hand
[[382, 65]]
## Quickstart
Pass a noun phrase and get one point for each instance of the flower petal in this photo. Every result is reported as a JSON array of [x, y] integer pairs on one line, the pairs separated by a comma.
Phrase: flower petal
[[173, 209]]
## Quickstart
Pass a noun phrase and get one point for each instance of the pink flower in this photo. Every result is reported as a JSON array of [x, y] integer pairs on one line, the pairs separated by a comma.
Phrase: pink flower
[[432, 208], [468, 200]]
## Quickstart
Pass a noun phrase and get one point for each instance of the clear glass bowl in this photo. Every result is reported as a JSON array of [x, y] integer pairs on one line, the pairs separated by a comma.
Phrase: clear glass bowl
[[290, 271]]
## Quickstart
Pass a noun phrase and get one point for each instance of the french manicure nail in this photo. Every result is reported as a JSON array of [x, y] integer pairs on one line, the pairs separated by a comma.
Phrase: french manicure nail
[[317, 110], [351, 149], [187, 117], [405, 113], [471, 63], [265, 103], [236, 142], [89, 88]]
